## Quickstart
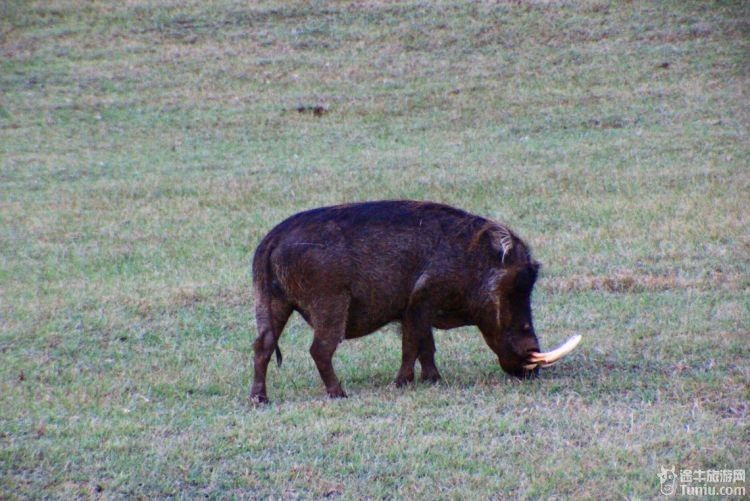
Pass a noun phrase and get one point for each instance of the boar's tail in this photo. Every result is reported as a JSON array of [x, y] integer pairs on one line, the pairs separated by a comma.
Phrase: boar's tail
[[269, 291], [279, 358], [263, 276]]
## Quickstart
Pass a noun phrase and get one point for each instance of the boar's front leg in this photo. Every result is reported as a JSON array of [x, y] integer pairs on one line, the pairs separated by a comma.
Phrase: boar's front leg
[[416, 341], [427, 358], [329, 325]]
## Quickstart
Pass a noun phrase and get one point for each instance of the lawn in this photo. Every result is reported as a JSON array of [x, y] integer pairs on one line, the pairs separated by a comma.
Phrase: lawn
[[147, 147]]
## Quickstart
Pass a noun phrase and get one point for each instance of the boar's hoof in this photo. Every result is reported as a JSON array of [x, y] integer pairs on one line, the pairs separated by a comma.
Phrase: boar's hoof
[[337, 393], [403, 380], [430, 376], [259, 399]]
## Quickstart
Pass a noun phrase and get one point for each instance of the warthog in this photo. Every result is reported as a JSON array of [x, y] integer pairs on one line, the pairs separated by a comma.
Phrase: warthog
[[351, 269]]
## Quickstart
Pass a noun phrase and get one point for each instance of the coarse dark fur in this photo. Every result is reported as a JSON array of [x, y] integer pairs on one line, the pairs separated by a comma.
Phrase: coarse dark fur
[[350, 269]]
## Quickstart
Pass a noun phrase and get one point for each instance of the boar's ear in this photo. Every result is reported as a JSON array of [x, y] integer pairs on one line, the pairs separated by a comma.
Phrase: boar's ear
[[500, 238], [502, 241]]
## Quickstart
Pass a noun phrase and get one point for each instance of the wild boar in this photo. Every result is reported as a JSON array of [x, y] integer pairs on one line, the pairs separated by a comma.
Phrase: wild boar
[[351, 269]]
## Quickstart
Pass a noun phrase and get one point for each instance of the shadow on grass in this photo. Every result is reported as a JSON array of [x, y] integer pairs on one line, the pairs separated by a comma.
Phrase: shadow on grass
[[628, 380]]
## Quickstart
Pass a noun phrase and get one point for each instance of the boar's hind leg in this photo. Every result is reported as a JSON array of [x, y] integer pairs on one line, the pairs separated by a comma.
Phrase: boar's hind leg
[[270, 324], [329, 325], [416, 341]]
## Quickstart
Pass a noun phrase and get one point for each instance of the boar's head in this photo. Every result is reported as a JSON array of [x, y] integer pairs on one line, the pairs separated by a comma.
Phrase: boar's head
[[510, 334], [505, 312]]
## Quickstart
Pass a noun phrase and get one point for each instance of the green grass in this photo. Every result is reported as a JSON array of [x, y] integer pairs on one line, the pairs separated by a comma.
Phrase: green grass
[[145, 151]]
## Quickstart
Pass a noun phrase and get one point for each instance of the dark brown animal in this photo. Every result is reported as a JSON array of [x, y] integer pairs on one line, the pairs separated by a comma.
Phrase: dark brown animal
[[351, 269]]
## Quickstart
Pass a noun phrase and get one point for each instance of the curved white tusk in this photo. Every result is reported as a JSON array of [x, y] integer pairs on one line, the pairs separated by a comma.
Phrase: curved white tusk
[[550, 357]]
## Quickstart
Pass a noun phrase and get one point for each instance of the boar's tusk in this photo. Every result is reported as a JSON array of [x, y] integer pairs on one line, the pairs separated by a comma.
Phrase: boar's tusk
[[548, 358], [531, 367]]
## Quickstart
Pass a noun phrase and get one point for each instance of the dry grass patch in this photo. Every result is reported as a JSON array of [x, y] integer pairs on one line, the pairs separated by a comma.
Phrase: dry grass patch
[[634, 283]]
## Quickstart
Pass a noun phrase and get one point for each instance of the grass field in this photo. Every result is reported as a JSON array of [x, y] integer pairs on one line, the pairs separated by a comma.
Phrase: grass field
[[146, 148]]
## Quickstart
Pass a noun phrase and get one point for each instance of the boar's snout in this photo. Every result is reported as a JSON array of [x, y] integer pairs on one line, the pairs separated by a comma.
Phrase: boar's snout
[[516, 357], [525, 346]]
